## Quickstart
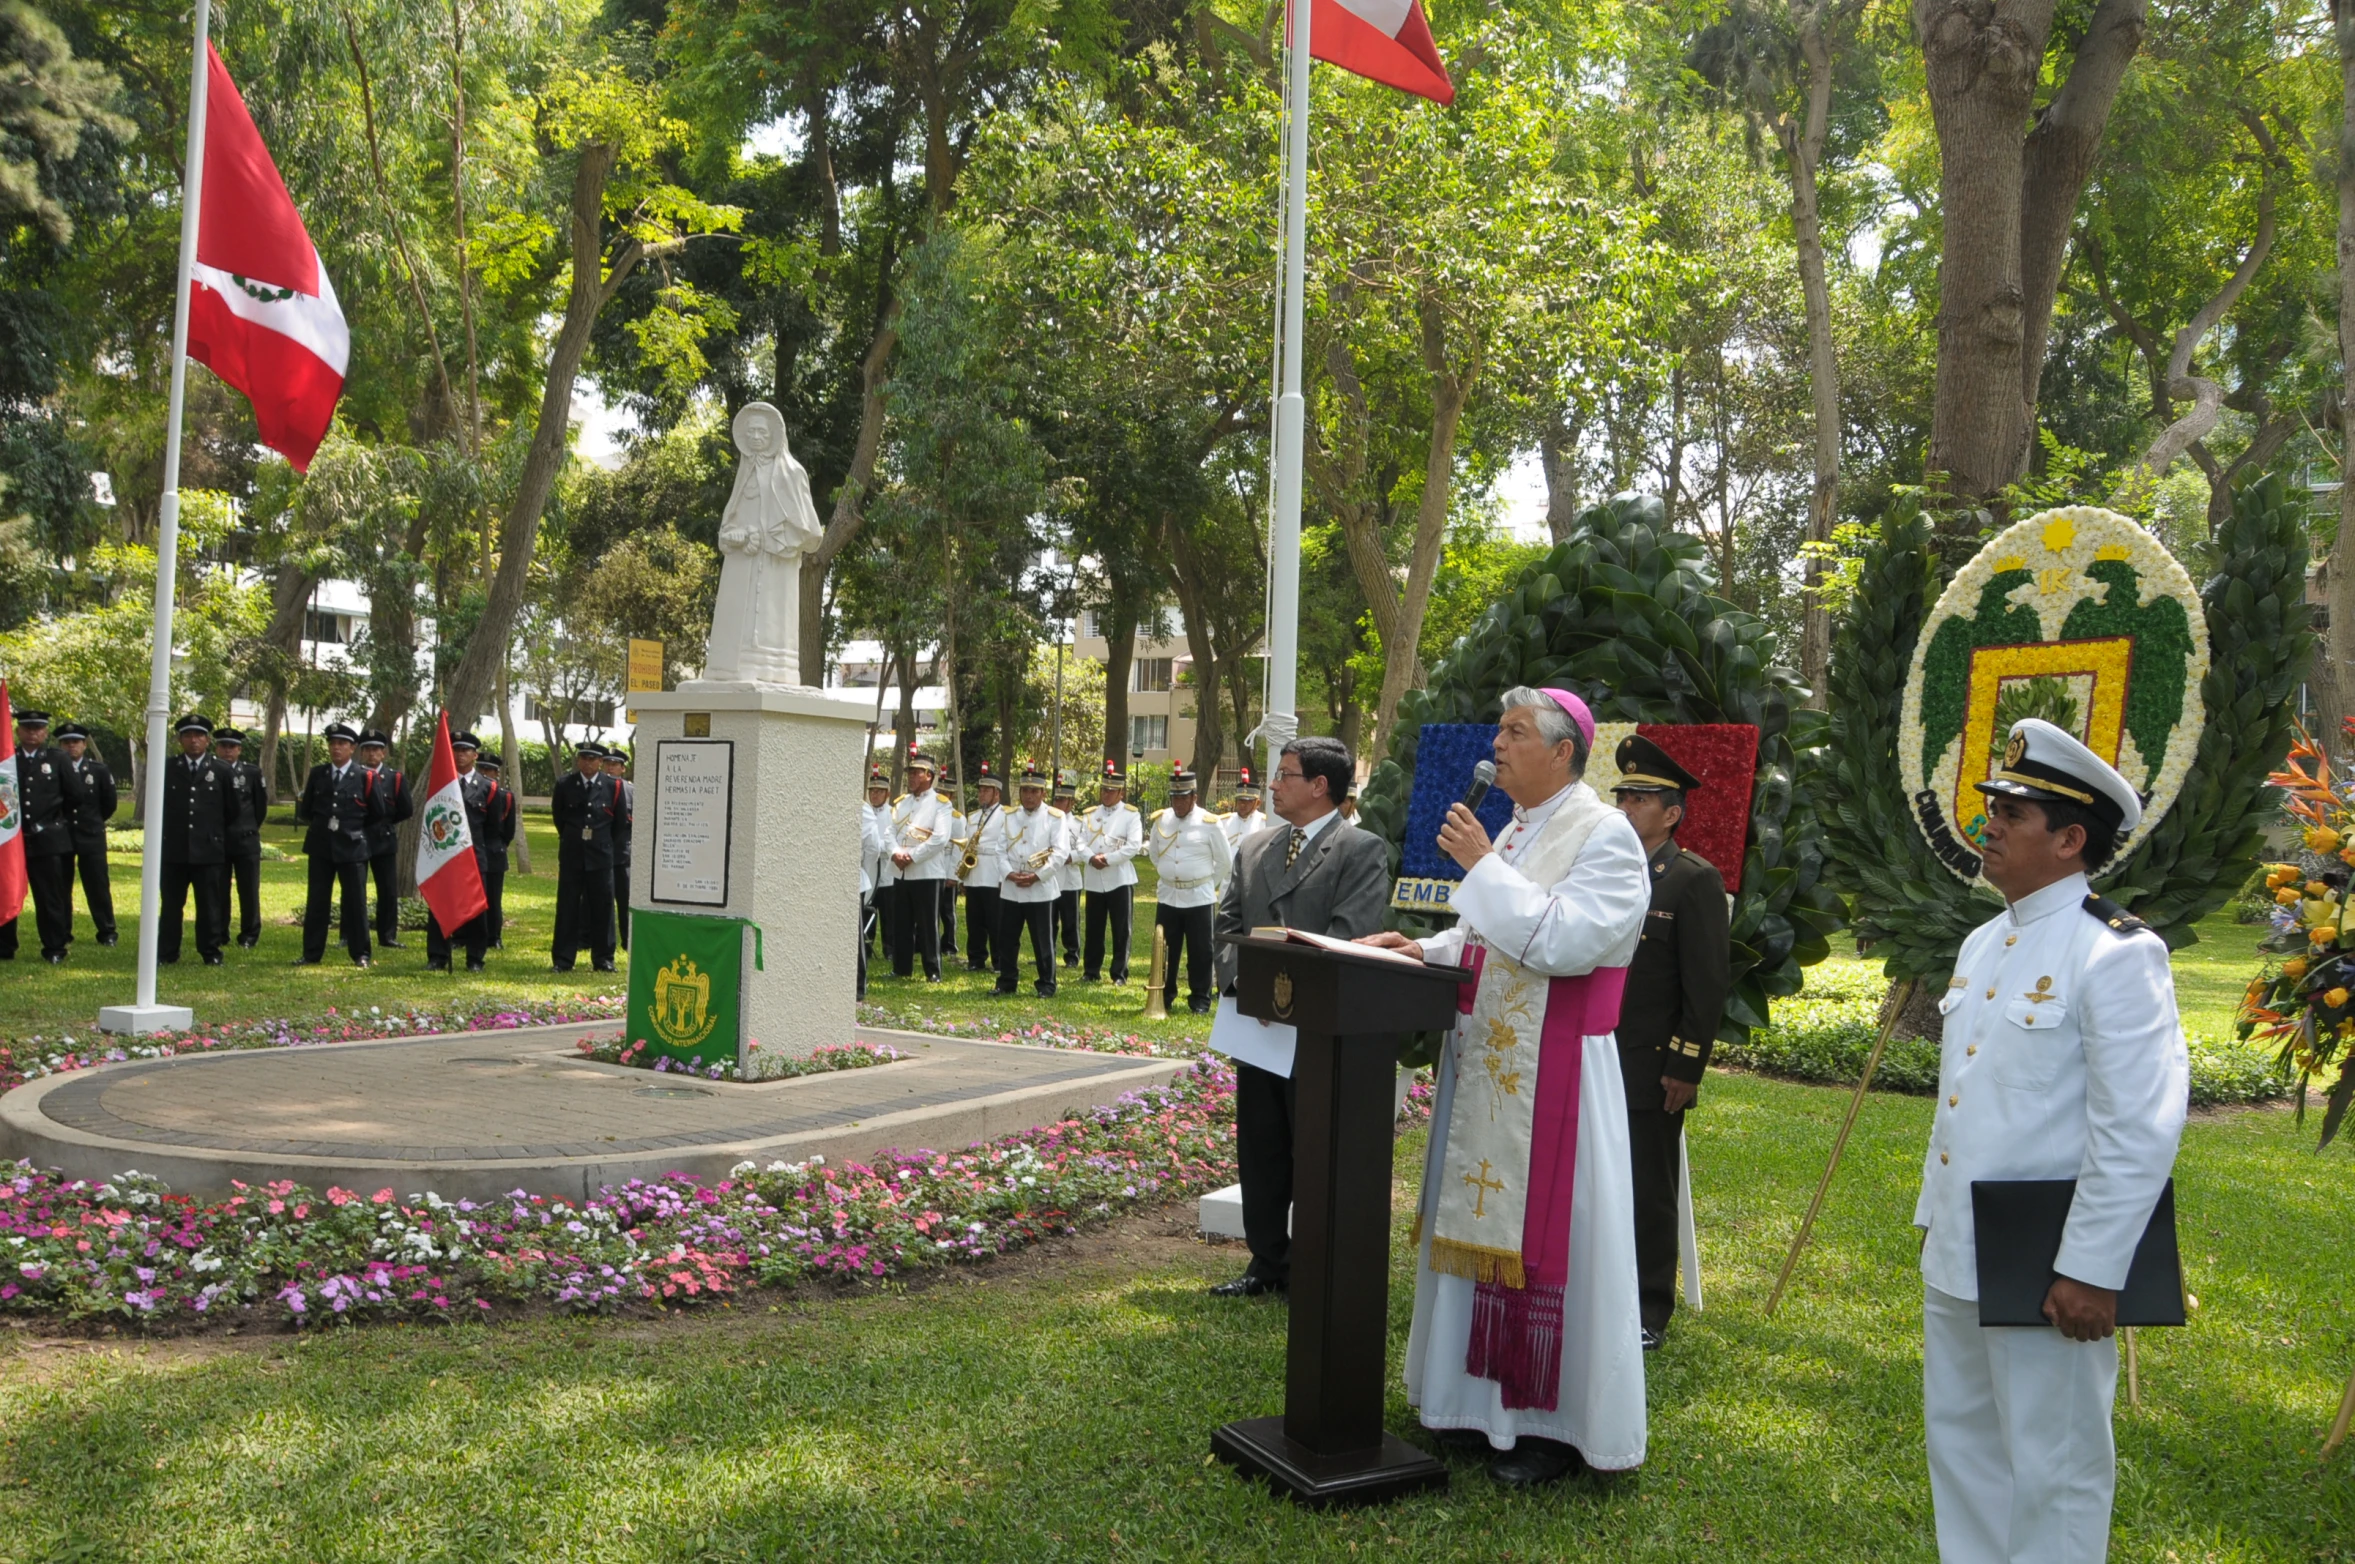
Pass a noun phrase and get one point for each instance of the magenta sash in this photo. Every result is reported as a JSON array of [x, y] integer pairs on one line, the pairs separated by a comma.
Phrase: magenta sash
[[1517, 1331]]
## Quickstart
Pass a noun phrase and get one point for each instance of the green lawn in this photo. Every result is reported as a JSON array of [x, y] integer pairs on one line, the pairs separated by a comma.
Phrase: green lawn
[[1060, 1407], [264, 983]]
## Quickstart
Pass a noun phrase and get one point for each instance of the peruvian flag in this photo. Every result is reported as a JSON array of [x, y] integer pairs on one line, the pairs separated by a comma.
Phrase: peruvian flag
[[261, 313], [1387, 40], [447, 876], [12, 818]]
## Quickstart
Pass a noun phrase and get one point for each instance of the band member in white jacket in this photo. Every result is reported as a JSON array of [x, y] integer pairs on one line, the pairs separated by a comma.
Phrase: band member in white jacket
[[1188, 847], [2063, 1058], [1031, 843], [1110, 837], [989, 868], [920, 831]]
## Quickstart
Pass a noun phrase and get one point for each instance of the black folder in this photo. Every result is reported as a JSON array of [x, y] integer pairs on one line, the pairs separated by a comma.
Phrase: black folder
[[2019, 1223]]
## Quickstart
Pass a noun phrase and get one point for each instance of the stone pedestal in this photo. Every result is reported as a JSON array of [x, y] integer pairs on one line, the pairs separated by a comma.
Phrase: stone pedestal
[[797, 759]]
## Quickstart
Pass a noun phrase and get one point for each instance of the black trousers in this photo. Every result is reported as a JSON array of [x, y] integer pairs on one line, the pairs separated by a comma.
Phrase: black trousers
[[388, 899], [1117, 906], [1187, 929], [948, 918], [210, 881], [472, 934], [1037, 918], [329, 880], [1654, 1141], [584, 912], [1265, 1109], [245, 875], [1067, 924], [621, 902], [915, 928], [52, 883], [494, 892], [981, 926], [97, 889], [879, 903]]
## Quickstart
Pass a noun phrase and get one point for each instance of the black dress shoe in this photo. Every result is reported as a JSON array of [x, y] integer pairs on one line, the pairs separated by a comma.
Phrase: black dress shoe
[[1047, 992], [474, 966], [1246, 1286], [244, 941], [55, 958], [109, 941], [1463, 1441], [1003, 993], [306, 961], [213, 959], [437, 966], [362, 961], [1652, 1339], [607, 966], [390, 944], [1533, 1461]]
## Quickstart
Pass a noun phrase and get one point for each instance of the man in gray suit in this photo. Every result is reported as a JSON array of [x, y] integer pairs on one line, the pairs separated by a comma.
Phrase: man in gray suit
[[1321, 876]]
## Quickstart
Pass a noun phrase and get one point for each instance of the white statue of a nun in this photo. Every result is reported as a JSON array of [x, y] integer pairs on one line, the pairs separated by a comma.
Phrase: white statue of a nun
[[770, 520]]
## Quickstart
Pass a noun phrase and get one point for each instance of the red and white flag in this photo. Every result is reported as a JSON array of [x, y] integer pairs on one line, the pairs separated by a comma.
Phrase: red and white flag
[[1387, 40], [447, 876], [12, 818], [261, 313]]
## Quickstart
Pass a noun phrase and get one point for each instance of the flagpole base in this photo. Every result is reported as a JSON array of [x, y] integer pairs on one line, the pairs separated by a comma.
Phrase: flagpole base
[[139, 1019]]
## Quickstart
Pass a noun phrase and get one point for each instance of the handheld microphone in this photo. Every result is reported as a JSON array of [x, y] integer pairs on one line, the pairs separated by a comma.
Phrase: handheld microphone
[[1483, 777]]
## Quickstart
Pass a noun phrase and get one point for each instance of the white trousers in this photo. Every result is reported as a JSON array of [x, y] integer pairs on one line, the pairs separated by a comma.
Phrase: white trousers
[[2022, 1458]]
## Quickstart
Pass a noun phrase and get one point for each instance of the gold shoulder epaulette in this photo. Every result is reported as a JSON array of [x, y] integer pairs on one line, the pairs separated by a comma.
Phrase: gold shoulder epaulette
[[1057, 813], [1157, 814]]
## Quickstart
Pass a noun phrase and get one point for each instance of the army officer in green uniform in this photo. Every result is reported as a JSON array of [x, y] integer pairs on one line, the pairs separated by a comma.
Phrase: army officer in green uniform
[[1676, 989]]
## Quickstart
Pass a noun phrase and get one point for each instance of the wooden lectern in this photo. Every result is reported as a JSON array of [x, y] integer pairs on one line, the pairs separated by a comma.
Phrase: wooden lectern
[[1351, 1011]]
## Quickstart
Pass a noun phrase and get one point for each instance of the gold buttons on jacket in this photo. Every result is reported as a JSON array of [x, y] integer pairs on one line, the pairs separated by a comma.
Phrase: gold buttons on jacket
[[1991, 993], [1942, 1159], [2009, 940], [1974, 1048], [1953, 1099]]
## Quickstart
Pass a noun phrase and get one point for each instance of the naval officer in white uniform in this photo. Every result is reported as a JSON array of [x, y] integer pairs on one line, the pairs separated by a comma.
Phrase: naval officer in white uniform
[[2063, 1058]]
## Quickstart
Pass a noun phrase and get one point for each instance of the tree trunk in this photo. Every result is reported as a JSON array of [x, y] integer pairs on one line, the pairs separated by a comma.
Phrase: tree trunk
[[2000, 270], [1210, 739], [1557, 454], [1402, 664], [511, 761], [903, 717], [290, 594], [470, 683], [851, 498], [1120, 656], [1803, 149], [2334, 675]]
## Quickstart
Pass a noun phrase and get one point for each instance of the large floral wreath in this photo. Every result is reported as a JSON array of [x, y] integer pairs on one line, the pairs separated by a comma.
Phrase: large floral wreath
[[1910, 898]]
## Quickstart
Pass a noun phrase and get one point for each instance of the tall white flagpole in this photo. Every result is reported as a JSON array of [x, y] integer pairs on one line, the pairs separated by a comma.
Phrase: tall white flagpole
[[1283, 629], [147, 1015]]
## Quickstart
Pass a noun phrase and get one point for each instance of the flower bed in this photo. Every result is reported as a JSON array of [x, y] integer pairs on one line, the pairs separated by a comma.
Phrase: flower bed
[[1037, 1034], [820, 1061], [129, 1249], [29, 1058]]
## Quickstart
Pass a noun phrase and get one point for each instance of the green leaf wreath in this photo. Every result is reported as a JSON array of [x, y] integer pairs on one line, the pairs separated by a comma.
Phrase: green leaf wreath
[[1905, 903], [1624, 612]]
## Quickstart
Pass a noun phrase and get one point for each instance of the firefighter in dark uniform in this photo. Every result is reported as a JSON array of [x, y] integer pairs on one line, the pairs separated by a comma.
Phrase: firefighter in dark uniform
[[393, 805], [625, 805], [494, 863], [49, 797], [1676, 990], [249, 798], [582, 806], [479, 794], [197, 811], [99, 801], [338, 803]]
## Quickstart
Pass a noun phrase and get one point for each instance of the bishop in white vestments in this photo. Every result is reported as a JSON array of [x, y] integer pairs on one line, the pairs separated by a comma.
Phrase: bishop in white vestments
[[1526, 1336]]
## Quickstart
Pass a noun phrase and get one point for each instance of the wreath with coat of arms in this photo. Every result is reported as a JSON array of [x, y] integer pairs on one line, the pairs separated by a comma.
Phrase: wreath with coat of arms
[[445, 825], [2077, 616], [2080, 617]]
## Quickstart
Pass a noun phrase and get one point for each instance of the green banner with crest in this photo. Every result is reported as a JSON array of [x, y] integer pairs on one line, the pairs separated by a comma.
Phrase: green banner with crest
[[687, 984]]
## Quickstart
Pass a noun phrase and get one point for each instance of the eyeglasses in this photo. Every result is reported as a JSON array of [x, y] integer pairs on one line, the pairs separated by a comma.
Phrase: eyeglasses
[[1291, 776]]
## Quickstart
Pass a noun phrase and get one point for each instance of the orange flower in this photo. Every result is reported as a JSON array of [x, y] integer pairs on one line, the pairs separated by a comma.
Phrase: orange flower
[[2322, 839], [2336, 999], [2295, 967], [2287, 896]]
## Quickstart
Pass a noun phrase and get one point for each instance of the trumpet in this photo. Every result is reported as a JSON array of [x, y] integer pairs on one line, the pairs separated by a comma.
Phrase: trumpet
[[1038, 860]]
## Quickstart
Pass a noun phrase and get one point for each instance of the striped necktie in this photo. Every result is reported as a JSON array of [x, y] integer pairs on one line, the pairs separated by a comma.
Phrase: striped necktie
[[1292, 852]]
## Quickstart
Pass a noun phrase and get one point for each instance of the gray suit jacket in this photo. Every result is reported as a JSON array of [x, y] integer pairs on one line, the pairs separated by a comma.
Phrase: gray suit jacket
[[1339, 886]]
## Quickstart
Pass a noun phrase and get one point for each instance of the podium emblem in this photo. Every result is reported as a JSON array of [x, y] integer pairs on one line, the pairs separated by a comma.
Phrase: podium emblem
[[682, 1004], [1283, 988]]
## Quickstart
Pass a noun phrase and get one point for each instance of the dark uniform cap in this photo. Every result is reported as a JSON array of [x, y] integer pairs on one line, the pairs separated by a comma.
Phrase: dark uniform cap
[[593, 750], [1033, 776], [1181, 782], [29, 718], [193, 723], [71, 730], [1112, 776], [989, 778], [376, 737], [2048, 763], [1245, 787], [464, 740], [487, 763], [877, 777], [338, 730], [228, 736], [616, 752], [1644, 767]]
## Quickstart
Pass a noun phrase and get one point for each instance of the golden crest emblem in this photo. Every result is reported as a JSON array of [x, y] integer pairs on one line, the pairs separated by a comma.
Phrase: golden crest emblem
[[2016, 750], [682, 1004], [1283, 989]]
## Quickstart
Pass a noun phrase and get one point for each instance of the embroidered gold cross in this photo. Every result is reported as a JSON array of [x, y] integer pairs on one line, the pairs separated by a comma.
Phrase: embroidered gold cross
[[1481, 1184]]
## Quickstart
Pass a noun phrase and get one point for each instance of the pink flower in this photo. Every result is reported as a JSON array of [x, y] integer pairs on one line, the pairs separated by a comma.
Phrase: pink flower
[[382, 1197]]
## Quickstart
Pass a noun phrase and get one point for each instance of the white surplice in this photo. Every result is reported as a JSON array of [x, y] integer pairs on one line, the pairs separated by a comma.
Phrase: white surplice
[[1561, 930]]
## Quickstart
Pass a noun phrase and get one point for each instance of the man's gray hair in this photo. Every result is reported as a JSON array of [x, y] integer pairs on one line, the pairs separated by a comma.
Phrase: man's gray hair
[[1553, 723]]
